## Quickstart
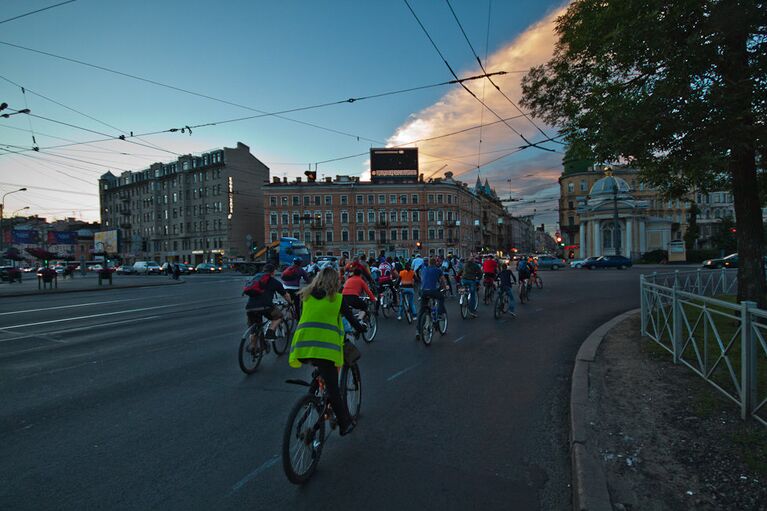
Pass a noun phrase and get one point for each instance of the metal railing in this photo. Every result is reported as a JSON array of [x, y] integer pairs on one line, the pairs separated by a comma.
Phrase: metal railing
[[721, 341]]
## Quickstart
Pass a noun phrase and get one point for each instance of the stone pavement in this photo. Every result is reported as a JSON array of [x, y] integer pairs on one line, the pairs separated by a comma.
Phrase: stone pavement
[[660, 437], [88, 282]]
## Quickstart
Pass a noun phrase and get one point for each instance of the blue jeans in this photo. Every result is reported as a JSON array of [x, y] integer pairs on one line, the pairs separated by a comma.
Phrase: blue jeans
[[471, 285], [509, 290], [411, 298]]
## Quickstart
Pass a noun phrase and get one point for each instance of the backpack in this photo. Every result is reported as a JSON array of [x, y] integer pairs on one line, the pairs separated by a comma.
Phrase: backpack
[[522, 266], [257, 285], [290, 273]]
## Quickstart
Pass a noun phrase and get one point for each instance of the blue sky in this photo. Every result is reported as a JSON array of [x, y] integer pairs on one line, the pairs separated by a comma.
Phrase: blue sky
[[270, 56]]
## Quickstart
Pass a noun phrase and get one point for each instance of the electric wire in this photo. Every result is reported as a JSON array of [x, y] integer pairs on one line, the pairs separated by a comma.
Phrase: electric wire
[[36, 11]]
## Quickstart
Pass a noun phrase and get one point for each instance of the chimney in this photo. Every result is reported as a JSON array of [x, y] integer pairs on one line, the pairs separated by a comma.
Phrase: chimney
[[285, 179], [275, 179], [298, 180]]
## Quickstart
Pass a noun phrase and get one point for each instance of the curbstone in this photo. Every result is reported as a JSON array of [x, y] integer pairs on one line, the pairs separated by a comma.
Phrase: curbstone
[[589, 481]]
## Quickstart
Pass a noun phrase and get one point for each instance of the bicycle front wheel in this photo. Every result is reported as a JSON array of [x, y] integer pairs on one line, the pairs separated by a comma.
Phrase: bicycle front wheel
[[303, 439], [371, 320], [249, 357], [351, 389], [282, 341], [426, 328], [539, 283], [523, 293], [442, 324], [406, 305], [463, 303], [499, 306]]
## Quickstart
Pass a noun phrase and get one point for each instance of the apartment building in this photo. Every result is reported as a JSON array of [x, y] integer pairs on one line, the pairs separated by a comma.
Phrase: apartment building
[[207, 207]]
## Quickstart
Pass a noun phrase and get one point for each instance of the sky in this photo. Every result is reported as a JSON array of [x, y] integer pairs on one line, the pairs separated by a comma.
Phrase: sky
[[269, 56]]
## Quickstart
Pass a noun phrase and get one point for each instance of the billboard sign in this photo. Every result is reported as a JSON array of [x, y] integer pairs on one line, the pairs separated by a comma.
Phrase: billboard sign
[[391, 165], [62, 237], [105, 242], [25, 236]]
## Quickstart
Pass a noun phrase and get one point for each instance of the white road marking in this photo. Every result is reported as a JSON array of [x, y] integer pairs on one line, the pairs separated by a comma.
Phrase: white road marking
[[245, 480], [77, 305], [77, 329], [538, 309], [459, 339], [400, 373]]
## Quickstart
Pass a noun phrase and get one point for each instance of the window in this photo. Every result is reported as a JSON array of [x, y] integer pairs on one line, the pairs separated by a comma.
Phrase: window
[[272, 217], [393, 235], [570, 187], [284, 219], [371, 217], [344, 235], [416, 234], [371, 198], [284, 200], [329, 218], [306, 200], [307, 236], [329, 236], [296, 235], [296, 219], [296, 202], [393, 215], [360, 235], [359, 199], [392, 199], [316, 200], [439, 198], [403, 215], [431, 234], [404, 234], [382, 216], [416, 216], [440, 215], [440, 234], [328, 200], [382, 199], [272, 235], [360, 217], [570, 205], [430, 198], [414, 199], [344, 217], [431, 215], [403, 199], [583, 185], [371, 235], [344, 200]]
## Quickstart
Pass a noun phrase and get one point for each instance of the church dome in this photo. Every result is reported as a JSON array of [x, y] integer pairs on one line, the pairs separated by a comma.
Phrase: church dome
[[607, 185]]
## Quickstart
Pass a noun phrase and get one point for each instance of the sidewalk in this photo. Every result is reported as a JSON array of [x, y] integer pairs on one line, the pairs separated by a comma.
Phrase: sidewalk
[[89, 282], [663, 438]]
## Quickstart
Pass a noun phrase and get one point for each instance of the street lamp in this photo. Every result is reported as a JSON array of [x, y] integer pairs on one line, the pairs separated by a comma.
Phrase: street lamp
[[2, 210], [20, 209]]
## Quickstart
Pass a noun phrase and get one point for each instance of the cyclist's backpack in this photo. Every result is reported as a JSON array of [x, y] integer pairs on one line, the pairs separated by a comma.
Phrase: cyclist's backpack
[[257, 285], [522, 266], [290, 273]]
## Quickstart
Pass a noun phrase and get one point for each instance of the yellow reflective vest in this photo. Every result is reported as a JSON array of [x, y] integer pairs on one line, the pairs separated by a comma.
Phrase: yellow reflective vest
[[320, 332]]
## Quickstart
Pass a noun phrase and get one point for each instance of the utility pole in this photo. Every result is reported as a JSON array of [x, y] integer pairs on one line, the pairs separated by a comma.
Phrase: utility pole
[[2, 213]]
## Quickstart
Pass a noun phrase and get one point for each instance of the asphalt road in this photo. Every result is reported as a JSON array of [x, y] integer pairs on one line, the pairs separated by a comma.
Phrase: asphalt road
[[133, 399]]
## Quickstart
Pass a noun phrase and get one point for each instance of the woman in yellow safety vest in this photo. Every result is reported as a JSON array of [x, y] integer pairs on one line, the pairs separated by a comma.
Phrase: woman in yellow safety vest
[[319, 337]]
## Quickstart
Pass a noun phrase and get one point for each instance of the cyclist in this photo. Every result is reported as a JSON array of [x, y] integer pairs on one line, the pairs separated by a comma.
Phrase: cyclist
[[291, 279], [354, 287], [319, 338], [447, 269], [406, 284], [432, 283], [508, 280], [472, 272], [490, 269], [533, 263], [523, 269], [386, 278], [260, 291]]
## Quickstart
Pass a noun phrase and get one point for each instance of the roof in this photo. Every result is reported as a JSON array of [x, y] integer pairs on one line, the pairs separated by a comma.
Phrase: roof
[[608, 185]]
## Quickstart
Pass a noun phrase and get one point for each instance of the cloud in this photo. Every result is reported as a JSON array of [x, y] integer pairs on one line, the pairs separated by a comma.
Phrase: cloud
[[524, 173]]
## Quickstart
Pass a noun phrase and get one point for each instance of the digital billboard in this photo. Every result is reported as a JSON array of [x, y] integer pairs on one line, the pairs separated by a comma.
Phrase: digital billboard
[[394, 164], [25, 236], [62, 237], [106, 242]]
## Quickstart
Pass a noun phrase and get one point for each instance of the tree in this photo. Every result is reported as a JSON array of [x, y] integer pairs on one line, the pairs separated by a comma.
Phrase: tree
[[723, 237], [693, 231], [675, 88]]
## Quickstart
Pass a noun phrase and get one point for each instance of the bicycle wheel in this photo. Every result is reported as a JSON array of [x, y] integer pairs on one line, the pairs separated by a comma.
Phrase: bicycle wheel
[[473, 302], [500, 305], [386, 301], [351, 389], [248, 357], [371, 320], [442, 324], [406, 305], [539, 282], [282, 341], [486, 297], [303, 439], [426, 328], [463, 302], [523, 293]]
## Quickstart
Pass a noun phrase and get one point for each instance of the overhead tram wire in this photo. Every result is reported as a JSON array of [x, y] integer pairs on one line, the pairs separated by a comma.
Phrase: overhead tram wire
[[212, 98], [450, 68], [56, 170], [482, 67], [36, 11], [50, 189], [124, 132], [482, 109]]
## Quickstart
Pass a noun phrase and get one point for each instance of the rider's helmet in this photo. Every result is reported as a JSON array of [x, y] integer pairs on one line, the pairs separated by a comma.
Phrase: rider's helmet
[[297, 260]]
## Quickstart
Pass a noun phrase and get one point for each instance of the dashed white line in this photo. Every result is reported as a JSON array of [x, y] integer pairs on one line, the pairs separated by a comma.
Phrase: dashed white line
[[77, 305], [245, 480], [459, 339], [400, 373]]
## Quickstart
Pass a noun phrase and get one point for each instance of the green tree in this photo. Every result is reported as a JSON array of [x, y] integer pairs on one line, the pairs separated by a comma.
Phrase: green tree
[[676, 88], [692, 233], [723, 237]]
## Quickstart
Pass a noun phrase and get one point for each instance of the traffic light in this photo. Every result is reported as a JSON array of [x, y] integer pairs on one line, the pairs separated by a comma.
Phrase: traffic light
[[733, 230], [418, 245]]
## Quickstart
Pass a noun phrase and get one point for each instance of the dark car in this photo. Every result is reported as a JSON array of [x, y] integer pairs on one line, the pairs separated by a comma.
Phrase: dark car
[[10, 274], [207, 268], [612, 261], [731, 261], [550, 262]]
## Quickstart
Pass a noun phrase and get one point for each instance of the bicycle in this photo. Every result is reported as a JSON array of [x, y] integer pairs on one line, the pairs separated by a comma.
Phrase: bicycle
[[428, 318], [501, 304], [405, 301], [524, 289], [248, 356], [489, 291], [304, 435], [385, 300], [369, 319], [538, 280], [465, 297]]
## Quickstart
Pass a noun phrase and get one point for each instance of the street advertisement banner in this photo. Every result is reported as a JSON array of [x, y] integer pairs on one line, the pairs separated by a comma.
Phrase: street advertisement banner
[[391, 165], [25, 236], [105, 242], [62, 237]]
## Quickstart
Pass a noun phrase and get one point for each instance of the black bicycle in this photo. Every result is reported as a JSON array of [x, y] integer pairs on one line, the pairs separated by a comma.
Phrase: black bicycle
[[305, 433], [429, 319], [252, 348]]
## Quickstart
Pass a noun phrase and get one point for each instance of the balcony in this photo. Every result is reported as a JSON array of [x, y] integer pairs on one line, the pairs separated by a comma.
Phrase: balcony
[[382, 225], [125, 226], [316, 225]]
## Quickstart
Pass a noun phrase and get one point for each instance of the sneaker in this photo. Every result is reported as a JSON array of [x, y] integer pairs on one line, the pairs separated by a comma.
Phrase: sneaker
[[399, 318], [270, 335]]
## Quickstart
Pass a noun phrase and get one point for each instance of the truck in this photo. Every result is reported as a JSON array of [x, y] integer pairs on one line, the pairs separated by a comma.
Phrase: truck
[[280, 253]]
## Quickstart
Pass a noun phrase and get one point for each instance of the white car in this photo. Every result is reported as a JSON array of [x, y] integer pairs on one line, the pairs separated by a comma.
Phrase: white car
[[146, 267]]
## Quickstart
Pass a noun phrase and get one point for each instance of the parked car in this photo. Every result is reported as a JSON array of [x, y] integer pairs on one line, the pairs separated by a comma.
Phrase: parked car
[[183, 269], [550, 262], [577, 263], [126, 269], [95, 267], [731, 261], [207, 268], [323, 261], [146, 267], [612, 261], [9, 272]]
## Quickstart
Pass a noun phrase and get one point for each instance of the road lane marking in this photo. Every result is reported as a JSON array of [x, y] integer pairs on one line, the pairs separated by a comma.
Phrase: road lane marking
[[459, 339], [538, 309], [245, 480], [77, 329], [400, 373], [76, 305]]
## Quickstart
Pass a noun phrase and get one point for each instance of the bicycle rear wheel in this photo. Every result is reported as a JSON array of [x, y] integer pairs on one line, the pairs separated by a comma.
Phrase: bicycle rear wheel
[[406, 305], [539, 282], [351, 389], [303, 439], [282, 341], [442, 324], [500, 305], [426, 328], [248, 357], [523, 293], [463, 302]]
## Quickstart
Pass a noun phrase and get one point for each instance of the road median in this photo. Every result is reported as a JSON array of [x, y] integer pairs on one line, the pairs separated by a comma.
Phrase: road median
[[29, 287]]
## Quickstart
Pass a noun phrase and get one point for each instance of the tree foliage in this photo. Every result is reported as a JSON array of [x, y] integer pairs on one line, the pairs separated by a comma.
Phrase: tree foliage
[[692, 233], [677, 88]]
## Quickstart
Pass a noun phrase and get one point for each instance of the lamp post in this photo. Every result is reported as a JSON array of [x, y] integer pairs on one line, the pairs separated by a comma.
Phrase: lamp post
[[2, 210], [20, 209]]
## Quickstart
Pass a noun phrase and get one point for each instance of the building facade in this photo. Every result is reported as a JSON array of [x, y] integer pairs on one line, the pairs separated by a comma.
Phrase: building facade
[[345, 216], [195, 209]]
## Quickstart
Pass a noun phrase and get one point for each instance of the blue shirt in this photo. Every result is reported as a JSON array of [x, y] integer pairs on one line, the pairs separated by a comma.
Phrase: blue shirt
[[430, 278]]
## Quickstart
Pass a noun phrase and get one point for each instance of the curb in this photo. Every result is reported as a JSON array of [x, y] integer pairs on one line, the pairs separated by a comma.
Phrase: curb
[[589, 481], [81, 290]]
